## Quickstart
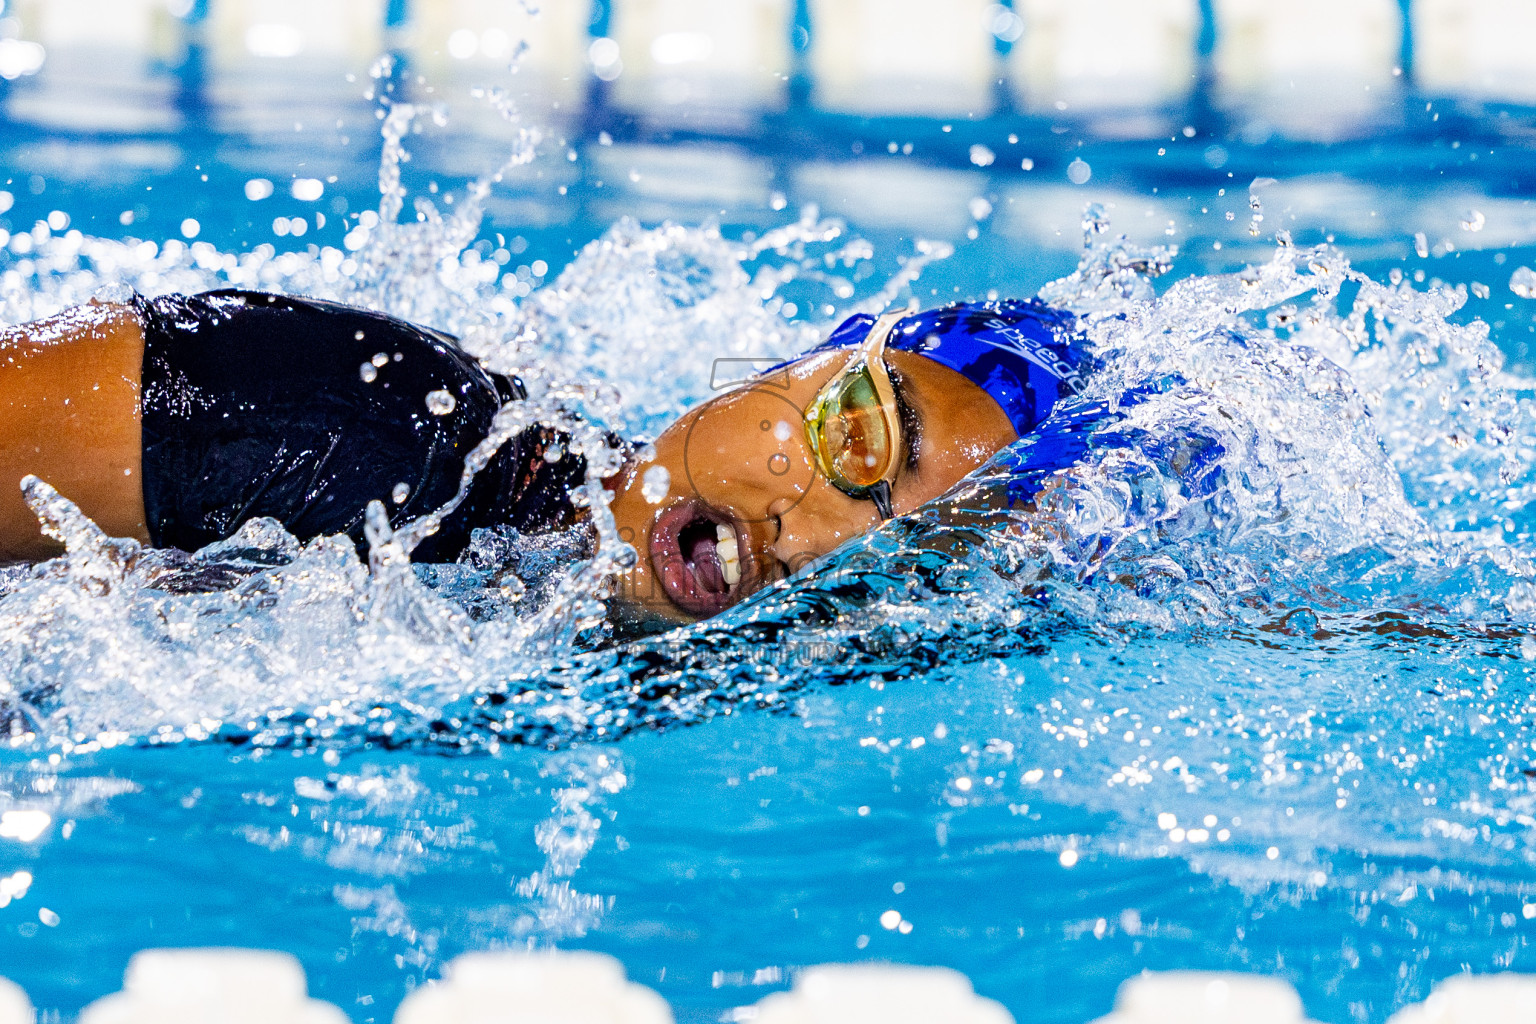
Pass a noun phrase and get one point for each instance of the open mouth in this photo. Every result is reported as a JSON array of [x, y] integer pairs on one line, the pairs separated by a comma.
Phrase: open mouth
[[701, 558]]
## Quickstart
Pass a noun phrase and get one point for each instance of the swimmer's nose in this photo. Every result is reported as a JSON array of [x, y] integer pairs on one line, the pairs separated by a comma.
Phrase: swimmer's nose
[[816, 524]]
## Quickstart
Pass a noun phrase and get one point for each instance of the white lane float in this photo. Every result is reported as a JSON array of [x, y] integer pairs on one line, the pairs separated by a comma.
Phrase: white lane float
[[212, 986]]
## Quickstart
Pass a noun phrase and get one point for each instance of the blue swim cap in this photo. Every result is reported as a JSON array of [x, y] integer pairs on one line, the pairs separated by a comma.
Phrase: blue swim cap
[[1020, 353]]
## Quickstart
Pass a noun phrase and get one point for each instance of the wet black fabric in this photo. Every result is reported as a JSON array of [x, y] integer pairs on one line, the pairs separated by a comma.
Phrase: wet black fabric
[[305, 411]]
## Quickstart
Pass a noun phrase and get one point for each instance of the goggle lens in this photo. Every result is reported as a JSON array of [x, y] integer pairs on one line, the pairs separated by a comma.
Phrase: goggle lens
[[853, 433], [853, 425]]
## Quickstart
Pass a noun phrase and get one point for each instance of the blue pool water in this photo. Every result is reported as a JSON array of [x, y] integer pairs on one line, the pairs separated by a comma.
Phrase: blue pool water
[[1253, 690]]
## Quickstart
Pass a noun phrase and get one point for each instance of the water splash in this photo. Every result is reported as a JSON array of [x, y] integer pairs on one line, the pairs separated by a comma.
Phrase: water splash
[[565, 838], [1292, 440], [1277, 612], [1256, 205], [263, 640], [1256, 462]]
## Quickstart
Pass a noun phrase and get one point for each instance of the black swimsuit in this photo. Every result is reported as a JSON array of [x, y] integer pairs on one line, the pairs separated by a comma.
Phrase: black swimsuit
[[305, 411]]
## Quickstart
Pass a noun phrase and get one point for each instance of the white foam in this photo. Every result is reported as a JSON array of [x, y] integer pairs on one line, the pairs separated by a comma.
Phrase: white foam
[[908, 56], [693, 53], [227, 986], [92, 25], [478, 38], [1479, 999], [15, 1008], [880, 994], [1475, 47], [279, 29], [1205, 997], [1105, 53], [1316, 69], [547, 987]]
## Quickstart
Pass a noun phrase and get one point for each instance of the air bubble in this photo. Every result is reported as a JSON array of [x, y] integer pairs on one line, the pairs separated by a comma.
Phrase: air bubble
[[1523, 282], [656, 484], [440, 402], [1095, 222]]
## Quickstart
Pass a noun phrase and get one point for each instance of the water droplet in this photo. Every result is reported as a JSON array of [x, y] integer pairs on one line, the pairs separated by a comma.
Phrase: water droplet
[[1095, 222], [441, 403], [1523, 283], [1473, 220], [655, 484], [1255, 205], [1078, 171], [24, 824], [1006, 25], [981, 156], [1421, 245], [400, 493], [368, 372], [980, 208], [380, 358], [511, 586]]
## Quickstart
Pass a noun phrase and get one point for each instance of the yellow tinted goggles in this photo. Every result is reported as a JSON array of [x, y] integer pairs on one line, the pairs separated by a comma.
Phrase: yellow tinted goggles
[[853, 425]]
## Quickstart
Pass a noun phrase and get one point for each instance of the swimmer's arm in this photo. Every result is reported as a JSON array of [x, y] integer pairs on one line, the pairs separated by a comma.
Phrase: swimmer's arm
[[69, 413]]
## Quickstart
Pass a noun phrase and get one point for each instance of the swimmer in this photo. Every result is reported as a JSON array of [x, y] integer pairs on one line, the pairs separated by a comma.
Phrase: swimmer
[[174, 420]]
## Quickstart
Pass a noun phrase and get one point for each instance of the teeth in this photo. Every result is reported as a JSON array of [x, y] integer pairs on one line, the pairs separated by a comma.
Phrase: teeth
[[730, 554]]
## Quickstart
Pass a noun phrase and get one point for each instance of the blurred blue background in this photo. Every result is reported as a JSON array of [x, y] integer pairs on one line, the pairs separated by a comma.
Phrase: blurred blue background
[[986, 124]]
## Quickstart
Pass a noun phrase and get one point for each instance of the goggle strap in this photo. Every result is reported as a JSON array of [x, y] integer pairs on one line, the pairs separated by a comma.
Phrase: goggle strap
[[880, 330], [872, 355]]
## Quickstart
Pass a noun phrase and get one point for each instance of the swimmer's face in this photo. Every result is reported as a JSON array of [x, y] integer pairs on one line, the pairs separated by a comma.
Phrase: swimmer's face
[[741, 479]]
